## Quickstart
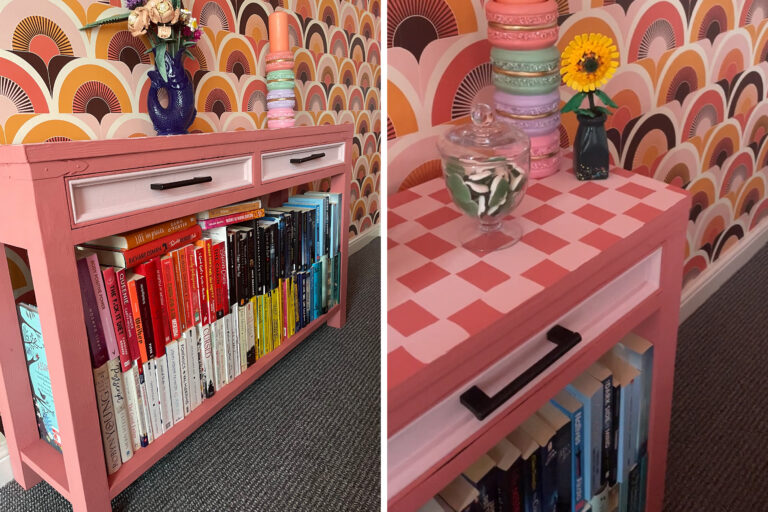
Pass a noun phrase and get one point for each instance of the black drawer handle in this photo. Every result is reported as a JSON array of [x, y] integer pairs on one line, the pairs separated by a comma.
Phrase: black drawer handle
[[481, 405], [182, 183], [306, 158]]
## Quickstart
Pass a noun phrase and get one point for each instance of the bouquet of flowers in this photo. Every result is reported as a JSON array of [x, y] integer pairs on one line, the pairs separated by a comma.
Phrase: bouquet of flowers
[[170, 28]]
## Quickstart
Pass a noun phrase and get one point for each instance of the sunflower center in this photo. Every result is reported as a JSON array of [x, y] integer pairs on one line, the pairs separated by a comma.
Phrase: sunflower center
[[589, 63]]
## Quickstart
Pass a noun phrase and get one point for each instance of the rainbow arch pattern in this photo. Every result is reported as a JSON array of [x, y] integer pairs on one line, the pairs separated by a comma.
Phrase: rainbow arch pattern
[[60, 83], [692, 88]]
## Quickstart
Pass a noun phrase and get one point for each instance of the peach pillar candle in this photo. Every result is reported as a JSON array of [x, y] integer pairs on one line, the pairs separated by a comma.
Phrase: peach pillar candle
[[278, 31]]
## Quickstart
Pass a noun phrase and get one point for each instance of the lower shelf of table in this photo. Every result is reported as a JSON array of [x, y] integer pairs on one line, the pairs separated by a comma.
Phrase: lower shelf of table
[[48, 463]]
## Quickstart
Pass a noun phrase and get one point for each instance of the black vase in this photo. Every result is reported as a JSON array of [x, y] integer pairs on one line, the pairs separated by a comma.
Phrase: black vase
[[180, 112], [590, 149]]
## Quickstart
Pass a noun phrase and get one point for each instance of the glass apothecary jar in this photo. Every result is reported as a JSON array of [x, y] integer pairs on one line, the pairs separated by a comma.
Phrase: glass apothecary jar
[[486, 165]]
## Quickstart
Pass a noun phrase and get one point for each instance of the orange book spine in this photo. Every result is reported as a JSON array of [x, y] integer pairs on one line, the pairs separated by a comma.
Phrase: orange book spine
[[136, 311], [151, 233], [194, 297], [177, 257], [209, 268]]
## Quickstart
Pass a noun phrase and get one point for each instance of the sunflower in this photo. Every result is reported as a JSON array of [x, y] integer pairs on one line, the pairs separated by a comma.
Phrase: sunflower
[[588, 62]]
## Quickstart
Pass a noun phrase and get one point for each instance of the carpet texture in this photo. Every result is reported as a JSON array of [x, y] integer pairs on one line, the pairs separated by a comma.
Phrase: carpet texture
[[304, 437], [720, 406]]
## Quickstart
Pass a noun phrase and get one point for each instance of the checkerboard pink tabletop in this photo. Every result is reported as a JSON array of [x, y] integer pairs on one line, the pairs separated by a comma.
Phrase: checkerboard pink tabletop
[[439, 293]]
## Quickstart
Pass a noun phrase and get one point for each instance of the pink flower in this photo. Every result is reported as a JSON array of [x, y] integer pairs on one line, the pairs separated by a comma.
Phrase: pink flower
[[197, 35]]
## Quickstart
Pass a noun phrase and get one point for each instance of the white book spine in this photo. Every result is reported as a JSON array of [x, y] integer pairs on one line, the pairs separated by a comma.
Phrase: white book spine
[[220, 347], [163, 388], [150, 382], [107, 418], [174, 379], [119, 406], [183, 359], [132, 406], [250, 344], [193, 367], [242, 336], [233, 350], [146, 423], [208, 375]]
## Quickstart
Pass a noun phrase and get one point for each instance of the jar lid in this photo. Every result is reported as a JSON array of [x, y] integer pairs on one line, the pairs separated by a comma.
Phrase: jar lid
[[485, 137]]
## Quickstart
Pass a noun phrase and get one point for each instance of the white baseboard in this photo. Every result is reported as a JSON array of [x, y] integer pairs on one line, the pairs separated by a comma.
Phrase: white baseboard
[[6, 473], [363, 239], [721, 270]]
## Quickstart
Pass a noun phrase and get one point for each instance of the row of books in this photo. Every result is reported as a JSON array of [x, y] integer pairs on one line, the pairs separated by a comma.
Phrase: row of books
[[584, 450], [176, 311]]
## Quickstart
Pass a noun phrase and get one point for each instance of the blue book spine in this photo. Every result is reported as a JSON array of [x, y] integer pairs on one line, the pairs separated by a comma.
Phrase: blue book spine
[[317, 289], [577, 457], [40, 379], [593, 426], [318, 204]]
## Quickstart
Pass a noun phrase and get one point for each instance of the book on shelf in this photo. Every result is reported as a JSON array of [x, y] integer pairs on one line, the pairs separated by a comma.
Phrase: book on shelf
[[589, 391], [39, 377], [245, 206], [228, 220], [486, 477], [135, 238], [541, 432], [459, 494], [561, 442], [531, 470], [603, 374], [129, 258], [574, 411], [504, 455]]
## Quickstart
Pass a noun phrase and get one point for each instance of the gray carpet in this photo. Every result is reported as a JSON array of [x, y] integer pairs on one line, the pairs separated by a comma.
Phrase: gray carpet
[[304, 437], [719, 427]]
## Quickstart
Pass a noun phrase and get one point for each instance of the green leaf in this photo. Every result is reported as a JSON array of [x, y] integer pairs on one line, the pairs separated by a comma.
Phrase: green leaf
[[106, 21], [189, 54], [470, 207], [160, 59], [574, 102], [603, 110], [459, 191], [605, 99], [188, 43], [585, 112], [454, 168]]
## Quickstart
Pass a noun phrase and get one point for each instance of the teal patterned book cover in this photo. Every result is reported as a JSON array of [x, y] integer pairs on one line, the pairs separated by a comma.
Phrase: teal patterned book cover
[[39, 378]]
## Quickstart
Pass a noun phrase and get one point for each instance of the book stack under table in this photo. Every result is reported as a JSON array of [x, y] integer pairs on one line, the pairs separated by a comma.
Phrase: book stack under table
[[70, 199], [479, 344]]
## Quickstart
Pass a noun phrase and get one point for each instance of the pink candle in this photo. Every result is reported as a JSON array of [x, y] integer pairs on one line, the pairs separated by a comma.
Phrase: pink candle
[[278, 31]]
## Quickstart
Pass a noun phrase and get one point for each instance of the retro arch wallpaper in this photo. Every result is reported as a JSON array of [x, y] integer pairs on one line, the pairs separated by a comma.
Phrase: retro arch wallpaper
[[60, 83], [691, 88]]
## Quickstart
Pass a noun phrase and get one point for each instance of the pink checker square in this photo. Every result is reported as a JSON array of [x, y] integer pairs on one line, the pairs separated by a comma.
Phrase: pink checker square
[[391, 243], [442, 195], [438, 217], [406, 196], [512, 293], [422, 277], [574, 255], [588, 190], [409, 318], [546, 273], [622, 226], [643, 212], [430, 246], [544, 241], [394, 219], [543, 214], [600, 239], [542, 192], [569, 227], [434, 341], [447, 296], [635, 190], [475, 317], [593, 214], [483, 275]]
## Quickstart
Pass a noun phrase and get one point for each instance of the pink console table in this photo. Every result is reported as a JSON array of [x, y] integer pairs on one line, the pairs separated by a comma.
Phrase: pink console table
[[601, 258], [57, 195]]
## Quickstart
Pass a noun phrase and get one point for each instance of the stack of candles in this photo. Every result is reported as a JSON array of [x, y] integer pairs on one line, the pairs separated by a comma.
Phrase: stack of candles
[[281, 98], [526, 63]]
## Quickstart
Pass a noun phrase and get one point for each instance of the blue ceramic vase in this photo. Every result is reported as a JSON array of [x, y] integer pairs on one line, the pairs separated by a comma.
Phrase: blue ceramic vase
[[590, 149], [177, 117]]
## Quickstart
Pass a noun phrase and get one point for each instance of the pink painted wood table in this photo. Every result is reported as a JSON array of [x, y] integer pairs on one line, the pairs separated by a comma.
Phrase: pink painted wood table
[[600, 258], [57, 195]]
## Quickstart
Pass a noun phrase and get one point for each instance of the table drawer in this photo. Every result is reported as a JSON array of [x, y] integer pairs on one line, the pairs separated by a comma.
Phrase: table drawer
[[416, 449], [101, 197], [283, 164]]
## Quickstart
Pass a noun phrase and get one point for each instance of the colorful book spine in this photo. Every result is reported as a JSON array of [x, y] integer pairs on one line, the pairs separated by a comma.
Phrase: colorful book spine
[[165, 319], [102, 305], [116, 311], [149, 271], [96, 337], [107, 418], [589, 392], [129, 258], [194, 295], [572, 408], [170, 295], [122, 424], [228, 220], [207, 375], [130, 328], [222, 211], [143, 236]]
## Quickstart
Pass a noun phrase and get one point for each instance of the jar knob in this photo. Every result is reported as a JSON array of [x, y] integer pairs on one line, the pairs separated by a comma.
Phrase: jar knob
[[482, 114]]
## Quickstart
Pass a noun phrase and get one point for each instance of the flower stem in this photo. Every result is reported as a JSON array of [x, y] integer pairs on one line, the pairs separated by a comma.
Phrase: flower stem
[[591, 96]]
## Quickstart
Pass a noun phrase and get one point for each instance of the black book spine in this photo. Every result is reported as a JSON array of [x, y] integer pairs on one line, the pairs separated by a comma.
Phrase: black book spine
[[251, 246], [242, 267], [515, 481], [562, 445], [273, 238], [634, 493], [232, 266], [304, 240], [295, 240], [327, 227], [146, 316], [532, 479], [607, 431], [614, 462], [288, 244], [261, 258]]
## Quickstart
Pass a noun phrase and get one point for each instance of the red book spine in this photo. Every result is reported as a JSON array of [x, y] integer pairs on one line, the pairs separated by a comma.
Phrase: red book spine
[[202, 285], [160, 246], [133, 292], [193, 285], [169, 283], [116, 310], [186, 296], [165, 319], [210, 270], [220, 278], [130, 327], [149, 271], [179, 290]]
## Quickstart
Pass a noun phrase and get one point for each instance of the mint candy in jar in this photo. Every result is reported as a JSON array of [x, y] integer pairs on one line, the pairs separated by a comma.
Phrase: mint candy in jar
[[486, 166]]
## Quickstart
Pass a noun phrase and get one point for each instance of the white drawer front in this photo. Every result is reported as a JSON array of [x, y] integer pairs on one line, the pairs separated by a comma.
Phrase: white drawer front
[[435, 434], [101, 197], [277, 164]]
